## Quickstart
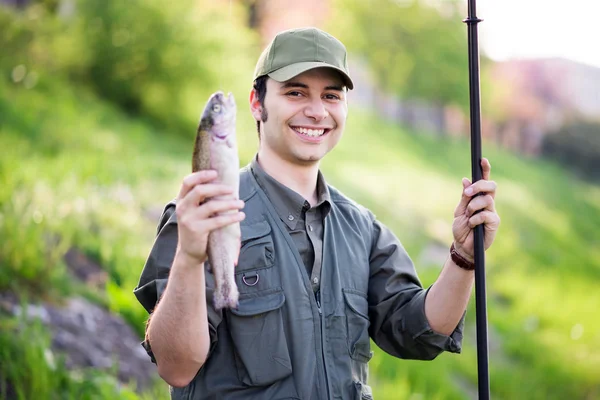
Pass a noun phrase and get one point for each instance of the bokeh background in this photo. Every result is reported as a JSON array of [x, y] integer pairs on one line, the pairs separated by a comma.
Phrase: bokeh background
[[99, 102]]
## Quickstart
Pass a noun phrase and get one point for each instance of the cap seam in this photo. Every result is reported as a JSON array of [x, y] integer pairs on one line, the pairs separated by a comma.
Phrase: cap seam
[[316, 40], [272, 53]]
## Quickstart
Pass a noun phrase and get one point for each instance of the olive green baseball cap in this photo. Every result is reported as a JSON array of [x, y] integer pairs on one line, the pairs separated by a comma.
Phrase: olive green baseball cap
[[295, 51]]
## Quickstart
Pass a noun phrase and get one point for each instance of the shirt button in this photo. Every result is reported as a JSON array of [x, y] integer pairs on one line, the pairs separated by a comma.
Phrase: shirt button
[[291, 217], [315, 280], [310, 228]]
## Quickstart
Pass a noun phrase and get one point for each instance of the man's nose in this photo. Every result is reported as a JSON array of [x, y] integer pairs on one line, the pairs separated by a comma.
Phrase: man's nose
[[316, 110]]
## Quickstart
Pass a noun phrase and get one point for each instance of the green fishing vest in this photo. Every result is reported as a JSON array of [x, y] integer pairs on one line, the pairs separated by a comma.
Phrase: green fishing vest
[[282, 342]]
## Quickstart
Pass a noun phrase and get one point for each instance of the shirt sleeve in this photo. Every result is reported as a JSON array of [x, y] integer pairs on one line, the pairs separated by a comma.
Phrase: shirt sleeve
[[399, 325], [155, 275]]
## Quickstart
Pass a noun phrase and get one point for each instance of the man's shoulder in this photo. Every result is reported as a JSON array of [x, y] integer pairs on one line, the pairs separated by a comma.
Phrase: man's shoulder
[[246, 188], [345, 203]]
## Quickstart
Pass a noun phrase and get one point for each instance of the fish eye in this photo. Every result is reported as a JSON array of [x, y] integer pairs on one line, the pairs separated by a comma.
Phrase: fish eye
[[216, 108]]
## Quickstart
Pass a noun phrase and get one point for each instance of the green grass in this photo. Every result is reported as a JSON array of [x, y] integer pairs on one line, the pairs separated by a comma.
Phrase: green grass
[[76, 172]]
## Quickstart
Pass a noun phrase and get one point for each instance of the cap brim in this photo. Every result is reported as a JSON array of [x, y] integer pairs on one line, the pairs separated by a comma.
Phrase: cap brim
[[290, 71]]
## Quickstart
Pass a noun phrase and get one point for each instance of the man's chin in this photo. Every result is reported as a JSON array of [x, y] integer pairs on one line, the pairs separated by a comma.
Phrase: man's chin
[[308, 159]]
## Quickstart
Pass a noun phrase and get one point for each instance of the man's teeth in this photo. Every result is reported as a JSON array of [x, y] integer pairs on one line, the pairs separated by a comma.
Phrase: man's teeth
[[310, 132]]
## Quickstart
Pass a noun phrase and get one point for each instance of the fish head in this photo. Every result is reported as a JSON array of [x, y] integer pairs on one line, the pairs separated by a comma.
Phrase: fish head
[[218, 118]]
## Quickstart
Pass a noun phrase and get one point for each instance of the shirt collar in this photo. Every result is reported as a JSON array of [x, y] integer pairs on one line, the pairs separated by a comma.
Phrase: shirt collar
[[288, 203]]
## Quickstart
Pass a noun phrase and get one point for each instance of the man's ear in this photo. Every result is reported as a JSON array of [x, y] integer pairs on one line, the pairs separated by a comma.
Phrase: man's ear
[[255, 106]]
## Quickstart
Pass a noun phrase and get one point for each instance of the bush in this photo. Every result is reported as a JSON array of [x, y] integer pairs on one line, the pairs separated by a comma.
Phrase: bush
[[577, 146], [149, 58]]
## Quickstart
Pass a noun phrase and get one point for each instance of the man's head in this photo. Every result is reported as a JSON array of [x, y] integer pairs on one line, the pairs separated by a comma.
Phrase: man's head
[[302, 76]]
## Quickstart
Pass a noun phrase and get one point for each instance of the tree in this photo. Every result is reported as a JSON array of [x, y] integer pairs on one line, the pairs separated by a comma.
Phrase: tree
[[416, 51]]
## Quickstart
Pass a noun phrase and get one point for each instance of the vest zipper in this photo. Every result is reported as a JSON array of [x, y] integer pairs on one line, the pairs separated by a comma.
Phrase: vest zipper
[[319, 308]]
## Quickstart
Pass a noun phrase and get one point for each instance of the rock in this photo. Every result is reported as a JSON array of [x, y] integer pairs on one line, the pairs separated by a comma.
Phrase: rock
[[8, 300], [90, 337], [85, 269]]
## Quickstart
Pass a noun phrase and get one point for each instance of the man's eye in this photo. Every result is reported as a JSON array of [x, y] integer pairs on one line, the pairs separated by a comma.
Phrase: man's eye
[[294, 94], [332, 97]]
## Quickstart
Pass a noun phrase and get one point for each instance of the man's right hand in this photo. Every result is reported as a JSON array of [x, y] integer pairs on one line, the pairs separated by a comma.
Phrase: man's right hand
[[196, 217]]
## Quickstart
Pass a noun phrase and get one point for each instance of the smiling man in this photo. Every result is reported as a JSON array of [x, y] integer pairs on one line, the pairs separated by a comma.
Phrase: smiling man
[[319, 276]]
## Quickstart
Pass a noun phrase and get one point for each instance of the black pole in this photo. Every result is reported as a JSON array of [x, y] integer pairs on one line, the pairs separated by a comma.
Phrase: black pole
[[483, 376]]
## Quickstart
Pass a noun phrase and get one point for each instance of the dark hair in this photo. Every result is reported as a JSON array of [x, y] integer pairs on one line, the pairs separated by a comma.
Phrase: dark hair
[[260, 85]]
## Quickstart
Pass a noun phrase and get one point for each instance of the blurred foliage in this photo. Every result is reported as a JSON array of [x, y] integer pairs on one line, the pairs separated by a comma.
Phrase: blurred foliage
[[416, 51], [151, 59], [100, 192], [81, 172], [576, 145]]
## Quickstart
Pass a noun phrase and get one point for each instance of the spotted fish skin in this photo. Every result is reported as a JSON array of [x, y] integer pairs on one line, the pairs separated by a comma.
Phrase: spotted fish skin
[[216, 148]]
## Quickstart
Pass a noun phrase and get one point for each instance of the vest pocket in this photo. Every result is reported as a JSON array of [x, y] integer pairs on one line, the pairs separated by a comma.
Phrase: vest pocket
[[261, 349], [357, 320], [362, 391], [254, 272]]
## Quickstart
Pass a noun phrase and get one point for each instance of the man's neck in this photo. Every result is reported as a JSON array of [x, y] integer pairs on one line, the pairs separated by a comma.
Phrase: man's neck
[[301, 179]]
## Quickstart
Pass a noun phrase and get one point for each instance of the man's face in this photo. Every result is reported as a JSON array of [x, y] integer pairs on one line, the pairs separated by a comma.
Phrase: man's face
[[306, 116]]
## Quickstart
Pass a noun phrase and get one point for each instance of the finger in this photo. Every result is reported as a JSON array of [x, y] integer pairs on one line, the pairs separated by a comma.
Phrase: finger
[[190, 181], [202, 192], [223, 220], [212, 207], [484, 217], [486, 168], [480, 203], [464, 201], [482, 186]]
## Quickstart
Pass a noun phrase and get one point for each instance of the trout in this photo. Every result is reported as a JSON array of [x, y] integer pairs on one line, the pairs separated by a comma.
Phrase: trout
[[216, 148]]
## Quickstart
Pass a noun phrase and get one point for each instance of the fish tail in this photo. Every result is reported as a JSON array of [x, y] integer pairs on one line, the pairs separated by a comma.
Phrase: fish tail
[[226, 292], [226, 295]]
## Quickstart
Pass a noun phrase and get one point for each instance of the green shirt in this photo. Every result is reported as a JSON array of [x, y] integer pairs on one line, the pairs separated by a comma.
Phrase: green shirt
[[304, 223]]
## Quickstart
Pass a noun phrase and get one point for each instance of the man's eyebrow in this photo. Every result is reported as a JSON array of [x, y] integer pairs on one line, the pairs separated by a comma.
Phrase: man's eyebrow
[[292, 84], [287, 85], [335, 87]]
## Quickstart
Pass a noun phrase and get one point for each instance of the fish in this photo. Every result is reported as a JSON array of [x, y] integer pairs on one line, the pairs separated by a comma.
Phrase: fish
[[215, 148]]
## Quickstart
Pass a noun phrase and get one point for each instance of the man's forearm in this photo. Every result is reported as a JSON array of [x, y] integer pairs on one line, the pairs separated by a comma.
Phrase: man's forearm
[[178, 329], [447, 299]]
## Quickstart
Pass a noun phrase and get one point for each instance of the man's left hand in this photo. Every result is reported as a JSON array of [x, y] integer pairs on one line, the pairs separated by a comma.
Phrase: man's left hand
[[476, 207]]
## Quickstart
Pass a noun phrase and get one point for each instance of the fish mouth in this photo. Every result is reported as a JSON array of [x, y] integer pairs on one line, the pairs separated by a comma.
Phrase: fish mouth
[[220, 98]]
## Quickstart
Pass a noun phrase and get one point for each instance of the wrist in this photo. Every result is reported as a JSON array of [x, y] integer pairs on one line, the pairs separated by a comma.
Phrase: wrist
[[460, 259], [188, 260]]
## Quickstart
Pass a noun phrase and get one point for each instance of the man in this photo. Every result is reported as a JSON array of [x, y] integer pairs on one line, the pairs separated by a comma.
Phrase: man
[[318, 275]]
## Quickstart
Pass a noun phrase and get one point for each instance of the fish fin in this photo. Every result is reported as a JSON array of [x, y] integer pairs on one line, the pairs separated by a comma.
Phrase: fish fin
[[230, 141]]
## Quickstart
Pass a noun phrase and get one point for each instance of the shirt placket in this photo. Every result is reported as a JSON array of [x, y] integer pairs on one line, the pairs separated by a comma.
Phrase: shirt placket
[[314, 228]]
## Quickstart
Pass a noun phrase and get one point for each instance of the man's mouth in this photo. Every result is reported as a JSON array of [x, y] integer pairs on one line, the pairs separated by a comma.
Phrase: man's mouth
[[310, 132]]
